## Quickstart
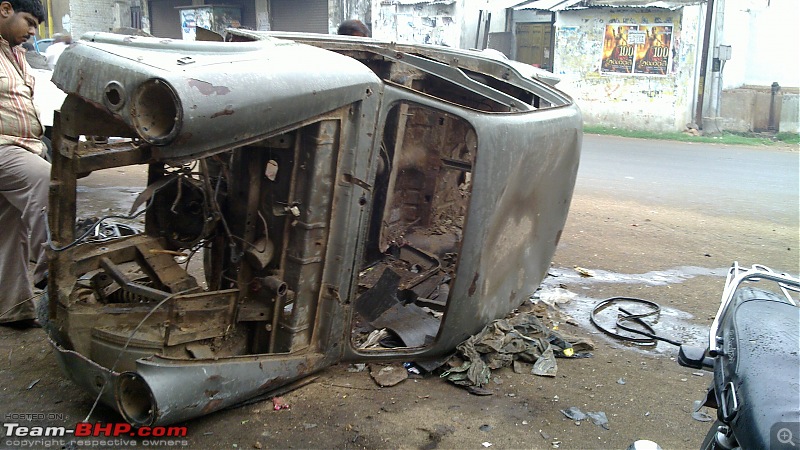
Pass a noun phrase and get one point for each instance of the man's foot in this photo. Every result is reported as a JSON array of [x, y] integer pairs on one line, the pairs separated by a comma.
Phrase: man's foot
[[23, 324]]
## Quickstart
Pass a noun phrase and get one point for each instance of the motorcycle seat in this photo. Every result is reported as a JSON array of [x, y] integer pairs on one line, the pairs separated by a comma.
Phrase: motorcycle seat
[[762, 363]]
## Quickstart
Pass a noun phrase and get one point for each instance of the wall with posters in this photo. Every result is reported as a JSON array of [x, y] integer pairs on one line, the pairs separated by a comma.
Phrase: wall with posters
[[451, 23], [417, 22], [631, 68]]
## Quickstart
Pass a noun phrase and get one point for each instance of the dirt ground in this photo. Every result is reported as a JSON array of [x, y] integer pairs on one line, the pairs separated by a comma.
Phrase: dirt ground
[[644, 392]]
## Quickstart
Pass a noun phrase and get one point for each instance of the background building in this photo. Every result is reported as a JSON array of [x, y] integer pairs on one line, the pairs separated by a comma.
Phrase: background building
[[753, 67]]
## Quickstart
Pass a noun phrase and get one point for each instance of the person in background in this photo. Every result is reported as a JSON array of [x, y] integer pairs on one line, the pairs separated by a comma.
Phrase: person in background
[[353, 27], [60, 43], [24, 174], [35, 59]]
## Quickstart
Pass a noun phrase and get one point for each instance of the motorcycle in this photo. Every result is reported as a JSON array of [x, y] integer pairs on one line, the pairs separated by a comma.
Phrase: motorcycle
[[754, 353]]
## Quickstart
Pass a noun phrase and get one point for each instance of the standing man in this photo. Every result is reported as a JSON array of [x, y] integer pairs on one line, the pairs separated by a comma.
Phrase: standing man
[[24, 174]]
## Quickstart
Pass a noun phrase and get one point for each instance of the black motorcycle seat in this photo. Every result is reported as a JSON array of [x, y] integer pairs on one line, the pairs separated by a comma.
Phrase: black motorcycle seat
[[762, 347]]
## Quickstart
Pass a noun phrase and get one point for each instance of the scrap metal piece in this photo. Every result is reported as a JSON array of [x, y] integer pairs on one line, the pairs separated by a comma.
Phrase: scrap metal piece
[[381, 308]]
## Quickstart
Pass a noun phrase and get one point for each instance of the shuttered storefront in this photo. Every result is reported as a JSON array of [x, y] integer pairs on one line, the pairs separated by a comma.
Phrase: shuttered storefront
[[300, 15]]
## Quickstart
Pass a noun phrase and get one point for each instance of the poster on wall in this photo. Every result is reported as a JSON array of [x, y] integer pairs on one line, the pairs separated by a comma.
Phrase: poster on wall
[[617, 51], [636, 49], [652, 57]]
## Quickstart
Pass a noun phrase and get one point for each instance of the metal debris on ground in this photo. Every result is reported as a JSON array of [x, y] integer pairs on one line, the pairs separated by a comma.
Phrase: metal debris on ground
[[584, 272], [574, 413], [381, 308], [521, 341], [699, 415]]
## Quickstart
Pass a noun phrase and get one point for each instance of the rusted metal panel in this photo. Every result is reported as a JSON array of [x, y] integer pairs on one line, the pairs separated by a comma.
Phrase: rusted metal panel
[[300, 188]]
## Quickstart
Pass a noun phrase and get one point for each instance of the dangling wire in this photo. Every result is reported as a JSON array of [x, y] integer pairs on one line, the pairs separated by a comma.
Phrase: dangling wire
[[130, 338]]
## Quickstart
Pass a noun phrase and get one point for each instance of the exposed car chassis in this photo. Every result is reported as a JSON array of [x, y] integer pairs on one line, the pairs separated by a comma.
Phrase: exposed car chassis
[[332, 186]]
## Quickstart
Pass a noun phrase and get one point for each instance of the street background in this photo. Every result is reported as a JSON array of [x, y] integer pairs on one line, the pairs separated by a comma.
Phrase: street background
[[652, 219]]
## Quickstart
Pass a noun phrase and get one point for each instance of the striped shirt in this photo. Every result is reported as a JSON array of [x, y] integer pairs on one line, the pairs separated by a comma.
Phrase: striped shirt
[[19, 123]]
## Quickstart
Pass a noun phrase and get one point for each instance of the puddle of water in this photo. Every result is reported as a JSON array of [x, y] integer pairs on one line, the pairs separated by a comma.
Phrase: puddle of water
[[671, 323], [557, 275]]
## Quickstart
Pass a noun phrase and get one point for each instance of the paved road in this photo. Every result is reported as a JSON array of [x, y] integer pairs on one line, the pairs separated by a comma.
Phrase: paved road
[[716, 179]]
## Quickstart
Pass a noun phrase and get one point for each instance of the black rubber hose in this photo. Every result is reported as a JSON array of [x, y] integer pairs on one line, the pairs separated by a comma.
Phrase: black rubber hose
[[649, 332]]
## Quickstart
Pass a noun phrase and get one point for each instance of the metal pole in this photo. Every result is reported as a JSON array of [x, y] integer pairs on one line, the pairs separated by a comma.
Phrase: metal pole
[[478, 32], [698, 114]]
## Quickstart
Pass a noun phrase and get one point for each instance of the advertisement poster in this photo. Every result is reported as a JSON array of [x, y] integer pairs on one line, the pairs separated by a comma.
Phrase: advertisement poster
[[636, 49], [617, 51], [188, 24], [652, 57]]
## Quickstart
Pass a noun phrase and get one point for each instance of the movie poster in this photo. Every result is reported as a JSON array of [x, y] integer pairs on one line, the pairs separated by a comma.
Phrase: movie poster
[[652, 57], [637, 49], [618, 53]]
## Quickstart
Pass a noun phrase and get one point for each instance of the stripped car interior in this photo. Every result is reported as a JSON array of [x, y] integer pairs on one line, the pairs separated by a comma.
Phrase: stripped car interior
[[302, 191]]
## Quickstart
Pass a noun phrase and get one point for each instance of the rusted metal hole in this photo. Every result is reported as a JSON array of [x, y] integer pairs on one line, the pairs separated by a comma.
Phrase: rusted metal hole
[[115, 95], [134, 399], [156, 112]]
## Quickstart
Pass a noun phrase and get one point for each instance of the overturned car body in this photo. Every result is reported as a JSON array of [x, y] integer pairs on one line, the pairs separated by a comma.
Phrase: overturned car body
[[331, 186]]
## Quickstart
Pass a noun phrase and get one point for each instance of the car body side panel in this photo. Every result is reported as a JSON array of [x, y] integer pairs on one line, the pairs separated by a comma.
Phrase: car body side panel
[[524, 175]]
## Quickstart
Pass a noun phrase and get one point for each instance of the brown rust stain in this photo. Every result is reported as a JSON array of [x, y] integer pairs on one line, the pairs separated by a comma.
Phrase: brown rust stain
[[212, 406], [474, 286], [211, 392], [271, 383], [558, 236], [228, 111], [207, 88]]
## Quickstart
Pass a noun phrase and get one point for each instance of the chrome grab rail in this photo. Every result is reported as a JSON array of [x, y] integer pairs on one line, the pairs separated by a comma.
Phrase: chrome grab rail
[[738, 275]]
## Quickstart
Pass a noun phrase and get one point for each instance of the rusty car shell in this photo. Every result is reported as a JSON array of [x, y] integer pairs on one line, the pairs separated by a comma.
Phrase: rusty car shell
[[321, 178]]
